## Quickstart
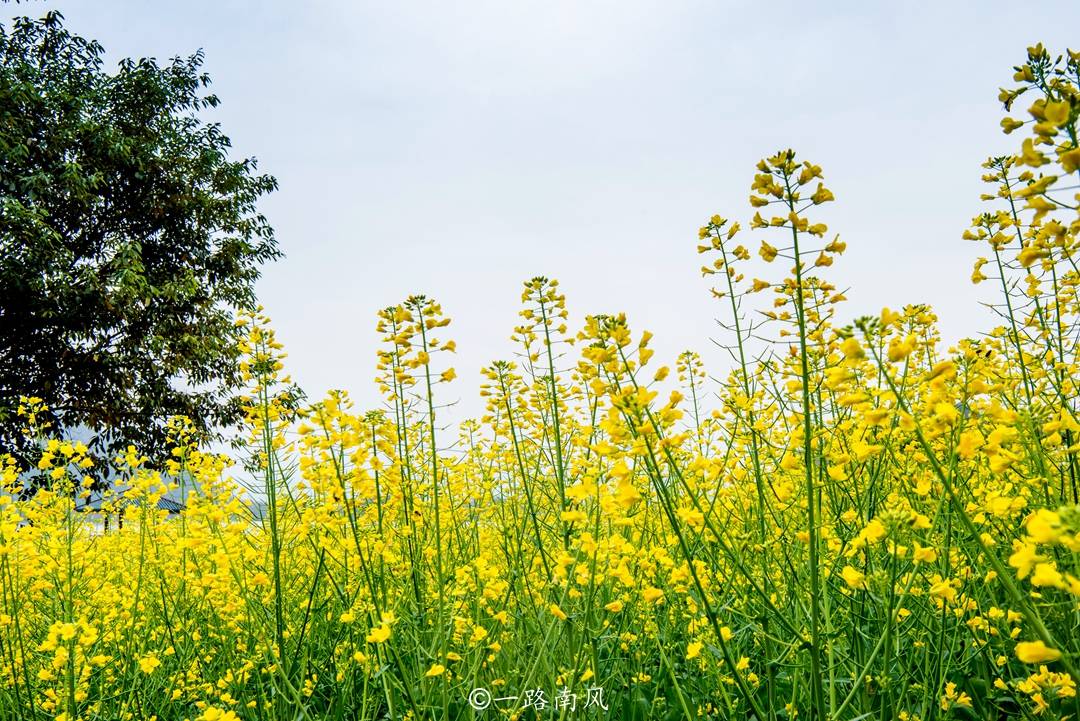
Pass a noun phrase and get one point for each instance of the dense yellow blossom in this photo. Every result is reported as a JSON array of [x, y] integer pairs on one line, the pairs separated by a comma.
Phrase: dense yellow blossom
[[850, 520]]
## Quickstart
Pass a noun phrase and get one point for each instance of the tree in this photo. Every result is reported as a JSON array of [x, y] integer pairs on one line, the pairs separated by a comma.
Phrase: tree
[[128, 241]]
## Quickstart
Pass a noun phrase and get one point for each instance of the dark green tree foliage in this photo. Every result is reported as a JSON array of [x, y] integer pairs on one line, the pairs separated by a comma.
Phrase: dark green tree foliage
[[128, 241]]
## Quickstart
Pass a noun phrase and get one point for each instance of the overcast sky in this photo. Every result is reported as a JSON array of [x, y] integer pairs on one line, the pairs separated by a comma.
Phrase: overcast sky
[[459, 148]]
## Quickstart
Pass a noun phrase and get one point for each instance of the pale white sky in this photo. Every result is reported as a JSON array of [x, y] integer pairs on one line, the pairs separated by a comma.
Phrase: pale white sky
[[459, 148]]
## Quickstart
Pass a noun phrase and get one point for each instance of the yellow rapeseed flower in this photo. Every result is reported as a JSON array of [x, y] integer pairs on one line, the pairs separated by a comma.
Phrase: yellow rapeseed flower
[[1036, 652]]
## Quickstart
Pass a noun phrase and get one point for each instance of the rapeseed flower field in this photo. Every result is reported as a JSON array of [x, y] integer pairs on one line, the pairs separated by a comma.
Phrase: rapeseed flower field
[[851, 520]]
